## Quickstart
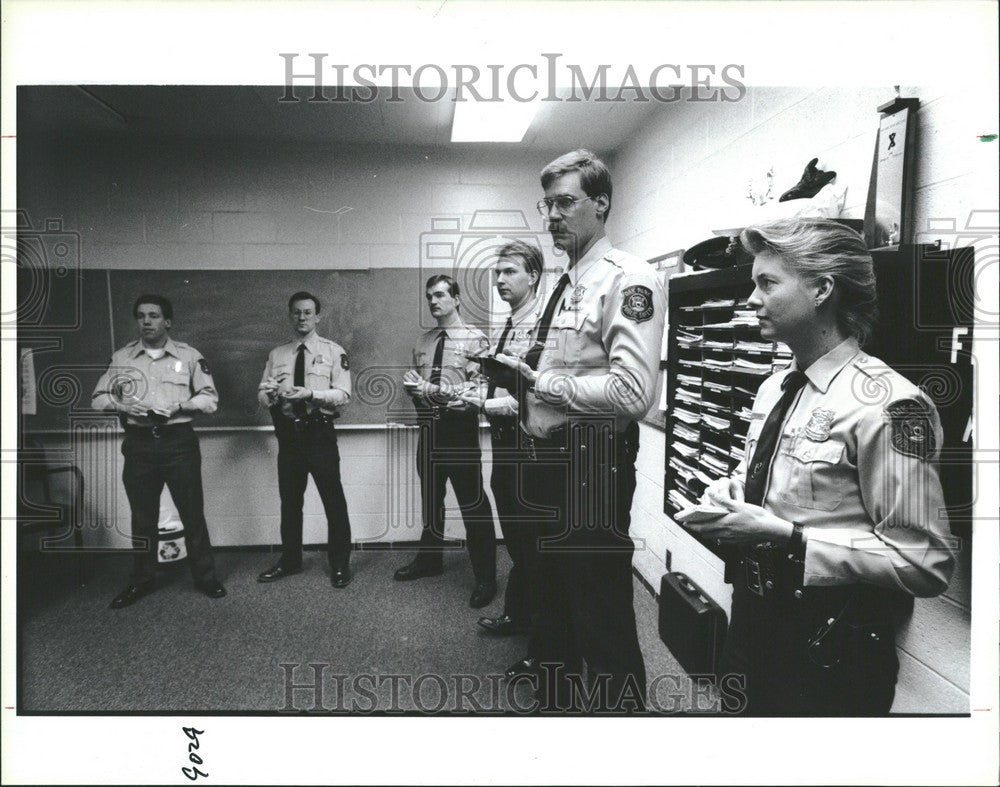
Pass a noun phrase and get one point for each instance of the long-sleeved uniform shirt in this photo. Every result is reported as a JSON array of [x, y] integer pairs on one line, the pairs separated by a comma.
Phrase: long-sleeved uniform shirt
[[327, 374], [519, 341], [856, 467], [457, 370], [602, 353]]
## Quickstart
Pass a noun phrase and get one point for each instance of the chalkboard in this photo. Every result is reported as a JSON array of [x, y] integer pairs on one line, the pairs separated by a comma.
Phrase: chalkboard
[[235, 317]]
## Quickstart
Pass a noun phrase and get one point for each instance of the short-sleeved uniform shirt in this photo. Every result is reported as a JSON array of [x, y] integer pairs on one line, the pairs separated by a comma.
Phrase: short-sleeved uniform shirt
[[327, 374], [602, 354], [180, 374], [856, 466]]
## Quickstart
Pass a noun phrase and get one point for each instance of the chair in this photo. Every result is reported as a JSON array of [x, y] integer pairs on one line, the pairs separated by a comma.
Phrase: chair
[[50, 497]]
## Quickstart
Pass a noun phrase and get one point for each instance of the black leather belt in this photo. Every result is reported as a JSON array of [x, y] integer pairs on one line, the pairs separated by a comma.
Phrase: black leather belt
[[157, 430], [504, 429], [559, 440], [305, 422]]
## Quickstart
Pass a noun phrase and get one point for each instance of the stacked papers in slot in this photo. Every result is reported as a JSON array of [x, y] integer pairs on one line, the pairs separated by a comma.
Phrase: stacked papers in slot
[[720, 424], [686, 433], [686, 416]]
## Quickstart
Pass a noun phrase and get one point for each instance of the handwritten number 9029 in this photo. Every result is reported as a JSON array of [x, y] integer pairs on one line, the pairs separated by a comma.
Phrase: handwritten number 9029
[[192, 771]]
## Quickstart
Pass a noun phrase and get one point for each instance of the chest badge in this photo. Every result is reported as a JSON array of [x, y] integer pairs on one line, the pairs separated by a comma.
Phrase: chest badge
[[178, 366], [818, 428], [319, 360], [577, 295]]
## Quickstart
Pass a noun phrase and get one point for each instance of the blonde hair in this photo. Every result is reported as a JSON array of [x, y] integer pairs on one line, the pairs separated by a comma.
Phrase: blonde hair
[[815, 248]]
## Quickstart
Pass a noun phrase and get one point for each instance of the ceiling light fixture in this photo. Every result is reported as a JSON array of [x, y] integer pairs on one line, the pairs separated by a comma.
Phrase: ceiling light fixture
[[499, 121]]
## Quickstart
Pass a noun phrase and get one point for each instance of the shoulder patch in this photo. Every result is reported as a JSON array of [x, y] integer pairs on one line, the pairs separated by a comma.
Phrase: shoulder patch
[[912, 430], [637, 303], [204, 365], [344, 363]]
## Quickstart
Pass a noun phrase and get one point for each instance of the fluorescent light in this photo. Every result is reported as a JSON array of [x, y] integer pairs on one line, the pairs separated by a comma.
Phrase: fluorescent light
[[500, 121]]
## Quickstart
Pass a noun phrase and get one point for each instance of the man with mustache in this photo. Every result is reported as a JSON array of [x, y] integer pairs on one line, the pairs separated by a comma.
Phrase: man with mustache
[[590, 377]]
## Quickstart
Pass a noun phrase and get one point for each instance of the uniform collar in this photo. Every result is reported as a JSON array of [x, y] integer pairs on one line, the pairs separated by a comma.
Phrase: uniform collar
[[170, 348], [526, 309], [453, 331], [310, 342], [824, 369], [594, 253]]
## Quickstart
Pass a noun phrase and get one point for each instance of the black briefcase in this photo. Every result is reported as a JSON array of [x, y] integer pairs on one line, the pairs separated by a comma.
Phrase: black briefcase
[[692, 626]]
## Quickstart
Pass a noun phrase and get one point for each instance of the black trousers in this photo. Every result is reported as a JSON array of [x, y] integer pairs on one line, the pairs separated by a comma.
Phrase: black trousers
[[786, 658], [448, 450], [169, 456], [585, 481], [312, 451], [516, 523]]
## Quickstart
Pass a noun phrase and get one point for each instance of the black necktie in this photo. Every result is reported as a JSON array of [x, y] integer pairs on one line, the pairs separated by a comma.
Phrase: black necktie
[[299, 380], [535, 353], [438, 357], [541, 336], [500, 345], [757, 469]]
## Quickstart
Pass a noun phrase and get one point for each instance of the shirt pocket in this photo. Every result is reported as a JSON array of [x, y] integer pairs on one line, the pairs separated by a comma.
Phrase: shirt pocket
[[176, 386], [282, 372], [814, 474], [318, 376], [567, 338]]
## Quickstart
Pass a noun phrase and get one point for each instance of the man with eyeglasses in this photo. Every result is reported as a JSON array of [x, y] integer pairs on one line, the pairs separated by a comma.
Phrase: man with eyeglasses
[[589, 378]]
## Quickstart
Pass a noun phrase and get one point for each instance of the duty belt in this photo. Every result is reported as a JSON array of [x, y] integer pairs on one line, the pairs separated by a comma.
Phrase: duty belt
[[156, 430], [560, 440], [303, 423], [768, 571]]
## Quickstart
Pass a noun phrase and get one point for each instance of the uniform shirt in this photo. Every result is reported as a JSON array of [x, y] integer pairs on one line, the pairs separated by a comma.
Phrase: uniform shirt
[[856, 467], [457, 370], [519, 341], [327, 374], [179, 375], [602, 354]]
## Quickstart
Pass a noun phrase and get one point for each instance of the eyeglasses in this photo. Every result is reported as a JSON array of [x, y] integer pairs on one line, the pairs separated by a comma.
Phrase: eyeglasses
[[564, 204]]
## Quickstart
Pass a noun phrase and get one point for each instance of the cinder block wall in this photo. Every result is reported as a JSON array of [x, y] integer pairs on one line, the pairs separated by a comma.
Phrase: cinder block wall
[[685, 174], [232, 204]]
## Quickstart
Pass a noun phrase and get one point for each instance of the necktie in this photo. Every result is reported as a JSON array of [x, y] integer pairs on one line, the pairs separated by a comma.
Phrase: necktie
[[438, 357], [500, 345], [541, 336], [299, 380], [533, 355], [757, 470]]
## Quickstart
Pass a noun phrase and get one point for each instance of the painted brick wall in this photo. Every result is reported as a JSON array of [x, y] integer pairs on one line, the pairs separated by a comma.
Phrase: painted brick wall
[[187, 203]]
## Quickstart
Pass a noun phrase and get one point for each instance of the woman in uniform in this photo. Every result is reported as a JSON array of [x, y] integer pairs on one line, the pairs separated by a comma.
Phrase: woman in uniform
[[836, 517]]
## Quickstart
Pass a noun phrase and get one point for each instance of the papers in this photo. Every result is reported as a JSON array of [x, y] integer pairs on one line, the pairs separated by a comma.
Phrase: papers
[[686, 433], [700, 513], [686, 416], [747, 366], [719, 424]]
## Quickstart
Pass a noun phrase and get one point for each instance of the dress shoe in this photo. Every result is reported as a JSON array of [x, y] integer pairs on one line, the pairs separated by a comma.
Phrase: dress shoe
[[526, 666], [213, 588], [483, 594], [339, 577], [277, 572], [416, 570], [502, 626], [130, 595]]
